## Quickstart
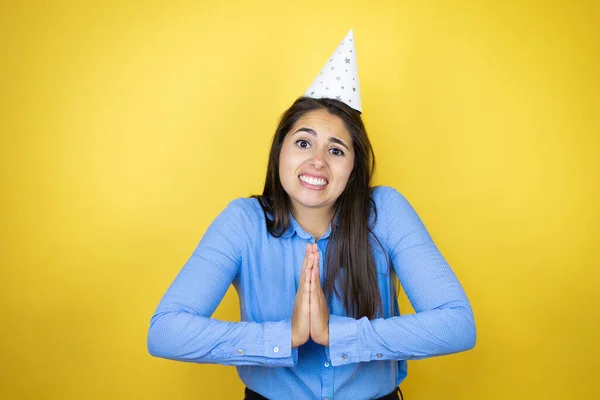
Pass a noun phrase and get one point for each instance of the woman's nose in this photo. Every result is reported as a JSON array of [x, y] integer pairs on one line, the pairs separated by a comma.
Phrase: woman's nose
[[318, 160]]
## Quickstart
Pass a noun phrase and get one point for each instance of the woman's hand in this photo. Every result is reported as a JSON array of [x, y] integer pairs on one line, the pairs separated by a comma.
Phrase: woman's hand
[[319, 312], [301, 314]]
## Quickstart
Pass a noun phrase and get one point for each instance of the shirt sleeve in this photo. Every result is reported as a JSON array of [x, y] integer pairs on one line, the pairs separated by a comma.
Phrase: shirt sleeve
[[182, 328], [443, 322]]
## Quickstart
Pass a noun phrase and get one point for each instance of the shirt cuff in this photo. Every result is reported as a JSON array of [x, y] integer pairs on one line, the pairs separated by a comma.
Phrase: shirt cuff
[[343, 340], [277, 339]]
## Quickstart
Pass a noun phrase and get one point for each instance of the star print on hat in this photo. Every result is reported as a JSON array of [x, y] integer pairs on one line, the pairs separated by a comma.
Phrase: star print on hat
[[339, 77]]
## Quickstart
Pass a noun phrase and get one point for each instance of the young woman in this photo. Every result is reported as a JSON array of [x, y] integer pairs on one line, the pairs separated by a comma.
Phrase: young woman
[[315, 261], [318, 220]]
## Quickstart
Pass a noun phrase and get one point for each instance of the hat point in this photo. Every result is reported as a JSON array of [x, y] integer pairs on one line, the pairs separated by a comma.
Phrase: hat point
[[338, 79]]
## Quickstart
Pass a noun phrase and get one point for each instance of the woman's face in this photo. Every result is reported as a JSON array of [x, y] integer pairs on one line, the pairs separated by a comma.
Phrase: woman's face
[[315, 161]]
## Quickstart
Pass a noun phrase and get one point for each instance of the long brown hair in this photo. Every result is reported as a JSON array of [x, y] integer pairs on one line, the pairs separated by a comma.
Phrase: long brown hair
[[349, 254]]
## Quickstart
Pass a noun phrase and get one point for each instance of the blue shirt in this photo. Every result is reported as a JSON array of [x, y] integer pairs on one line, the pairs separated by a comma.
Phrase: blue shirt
[[365, 358]]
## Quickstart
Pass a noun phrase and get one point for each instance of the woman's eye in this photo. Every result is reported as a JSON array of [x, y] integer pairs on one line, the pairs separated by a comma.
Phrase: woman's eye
[[302, 143], [336, 152]]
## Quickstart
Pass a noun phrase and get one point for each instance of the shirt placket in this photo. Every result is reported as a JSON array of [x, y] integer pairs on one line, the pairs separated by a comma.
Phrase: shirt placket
[[327, 374]]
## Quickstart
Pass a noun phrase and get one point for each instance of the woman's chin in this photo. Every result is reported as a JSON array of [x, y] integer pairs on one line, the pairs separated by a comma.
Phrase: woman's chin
[[312, 202]]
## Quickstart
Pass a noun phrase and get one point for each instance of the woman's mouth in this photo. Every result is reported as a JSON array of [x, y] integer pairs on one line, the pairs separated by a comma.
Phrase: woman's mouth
[[312, 183]]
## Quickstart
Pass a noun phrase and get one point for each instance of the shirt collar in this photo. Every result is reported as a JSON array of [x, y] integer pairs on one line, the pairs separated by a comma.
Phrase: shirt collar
[[294, 227]]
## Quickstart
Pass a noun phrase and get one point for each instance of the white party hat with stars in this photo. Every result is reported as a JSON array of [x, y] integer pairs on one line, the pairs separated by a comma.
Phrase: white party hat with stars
[[339, 77]]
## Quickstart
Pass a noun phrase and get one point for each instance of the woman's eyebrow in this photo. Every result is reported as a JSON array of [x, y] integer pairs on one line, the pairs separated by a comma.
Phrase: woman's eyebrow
[[313, 133], [338, 141]]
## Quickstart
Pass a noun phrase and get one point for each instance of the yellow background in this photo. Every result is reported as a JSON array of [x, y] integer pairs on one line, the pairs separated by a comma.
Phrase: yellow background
[[128, 125]]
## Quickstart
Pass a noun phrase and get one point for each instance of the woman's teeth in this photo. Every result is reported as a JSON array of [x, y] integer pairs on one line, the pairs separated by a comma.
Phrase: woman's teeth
[[313, 181]]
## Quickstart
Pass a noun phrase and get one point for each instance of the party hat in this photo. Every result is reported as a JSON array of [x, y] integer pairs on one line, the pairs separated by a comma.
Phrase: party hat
[[339, 77]]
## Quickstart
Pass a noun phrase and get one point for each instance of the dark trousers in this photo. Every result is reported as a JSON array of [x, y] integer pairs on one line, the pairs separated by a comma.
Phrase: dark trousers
[[251, 395]]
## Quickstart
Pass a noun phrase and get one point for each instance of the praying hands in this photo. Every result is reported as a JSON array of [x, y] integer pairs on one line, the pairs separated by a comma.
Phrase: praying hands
[[311, 315]]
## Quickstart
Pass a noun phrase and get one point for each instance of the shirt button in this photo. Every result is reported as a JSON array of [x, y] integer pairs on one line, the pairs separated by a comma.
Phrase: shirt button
[[344, 356], [379, 355], [326, 364], [240, 351], [276, 349]]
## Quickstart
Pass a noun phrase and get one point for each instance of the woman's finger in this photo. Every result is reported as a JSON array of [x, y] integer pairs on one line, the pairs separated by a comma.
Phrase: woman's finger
[[316, 267], [307, 266], [306, 254], [304, 287]]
